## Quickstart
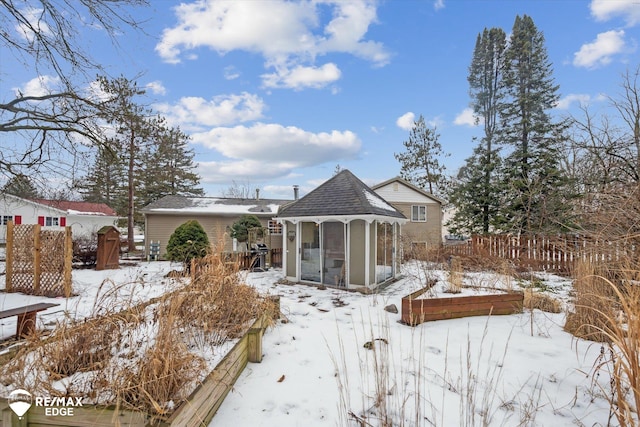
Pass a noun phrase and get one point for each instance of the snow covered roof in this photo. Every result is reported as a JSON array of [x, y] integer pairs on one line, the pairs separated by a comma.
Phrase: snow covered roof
[[78, 208], [214, 206]]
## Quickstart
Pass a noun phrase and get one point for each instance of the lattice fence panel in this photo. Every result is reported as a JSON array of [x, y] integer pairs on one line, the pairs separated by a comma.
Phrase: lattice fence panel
[[52, 261], [22, 254], [38, 261]]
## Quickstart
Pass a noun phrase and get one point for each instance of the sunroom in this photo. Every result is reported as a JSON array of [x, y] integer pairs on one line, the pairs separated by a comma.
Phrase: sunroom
[[341, 234]]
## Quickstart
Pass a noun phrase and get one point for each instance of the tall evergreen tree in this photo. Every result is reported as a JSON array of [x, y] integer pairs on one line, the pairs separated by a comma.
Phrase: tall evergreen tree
[[132, 126], [168, 167], [106, 180], [475, 191], [477, 205], [420, 162], [21, 186], [536, 185]]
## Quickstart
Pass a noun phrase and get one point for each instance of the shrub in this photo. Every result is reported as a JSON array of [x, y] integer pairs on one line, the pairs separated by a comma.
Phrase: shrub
[[188, 241], [240, 228]]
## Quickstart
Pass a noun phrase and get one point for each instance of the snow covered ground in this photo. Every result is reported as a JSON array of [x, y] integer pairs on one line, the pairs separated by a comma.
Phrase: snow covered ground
[[341, 352], [446, 373]]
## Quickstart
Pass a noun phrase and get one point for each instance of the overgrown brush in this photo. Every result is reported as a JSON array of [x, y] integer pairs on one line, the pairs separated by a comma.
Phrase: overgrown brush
[[607, 310], [456, 276], [593, 303], [146, 357], [164, 375], [536, 300]]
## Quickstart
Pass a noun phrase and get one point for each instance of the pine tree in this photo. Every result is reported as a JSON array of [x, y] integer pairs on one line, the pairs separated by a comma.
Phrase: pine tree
[[133, 129], [420, 162], [474, 193], [477, 205], [168, 167], [106, 181], [21, 186], [535, 183]]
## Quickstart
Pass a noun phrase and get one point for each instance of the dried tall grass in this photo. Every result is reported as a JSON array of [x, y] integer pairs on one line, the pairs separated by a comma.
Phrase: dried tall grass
[[607, 310], [146, 357], [456, 276], [593, 302]]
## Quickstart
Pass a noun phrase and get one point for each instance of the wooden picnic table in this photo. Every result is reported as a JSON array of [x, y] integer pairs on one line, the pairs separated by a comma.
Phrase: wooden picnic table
[[26, 317]]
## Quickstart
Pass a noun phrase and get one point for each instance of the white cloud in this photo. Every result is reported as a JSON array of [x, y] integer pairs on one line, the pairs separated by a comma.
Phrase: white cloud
[[438, 4], [604, 10], [302, 77], [157, 87], [580, 98], [230, 73], [406, 120], [194, 113], [277, 143], [34, 17], [39, 86], [467, 118], [289, 35], [271, 150], [600, 51]]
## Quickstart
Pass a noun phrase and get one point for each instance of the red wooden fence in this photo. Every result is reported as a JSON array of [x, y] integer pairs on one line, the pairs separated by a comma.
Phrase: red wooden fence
[[551, 253]]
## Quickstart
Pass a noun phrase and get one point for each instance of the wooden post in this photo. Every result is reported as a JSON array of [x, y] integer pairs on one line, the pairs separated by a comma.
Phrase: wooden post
[[254, 344], [68, 258], [36, 259], [9, 254]]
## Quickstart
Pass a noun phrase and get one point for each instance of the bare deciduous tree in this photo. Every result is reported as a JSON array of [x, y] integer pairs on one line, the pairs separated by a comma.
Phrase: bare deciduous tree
[[50, 129]]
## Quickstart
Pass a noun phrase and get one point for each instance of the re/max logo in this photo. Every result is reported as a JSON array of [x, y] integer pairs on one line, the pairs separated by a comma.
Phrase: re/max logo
[[58, 406]]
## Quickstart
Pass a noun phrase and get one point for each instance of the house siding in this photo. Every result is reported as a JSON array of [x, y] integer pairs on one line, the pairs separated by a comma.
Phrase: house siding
[[429, 232], [403, 197], [29, 211], [160, 227]]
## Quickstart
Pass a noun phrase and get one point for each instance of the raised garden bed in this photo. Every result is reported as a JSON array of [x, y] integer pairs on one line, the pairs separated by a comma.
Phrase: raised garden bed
[[197, 411], [418, 308]]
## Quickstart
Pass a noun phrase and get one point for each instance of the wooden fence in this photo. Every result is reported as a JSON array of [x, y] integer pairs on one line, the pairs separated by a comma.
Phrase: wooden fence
[[38, 261], [249, 260], [557, 253]]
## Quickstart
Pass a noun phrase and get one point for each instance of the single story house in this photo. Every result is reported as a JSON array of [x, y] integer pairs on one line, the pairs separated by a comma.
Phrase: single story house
[[84, 218], [341, 234], [215, 214], [424, 211]]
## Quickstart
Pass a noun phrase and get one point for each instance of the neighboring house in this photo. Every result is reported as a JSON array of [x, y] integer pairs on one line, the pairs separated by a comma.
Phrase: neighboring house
[[424, 211], [341, 234], [84, 218], [215, 214]]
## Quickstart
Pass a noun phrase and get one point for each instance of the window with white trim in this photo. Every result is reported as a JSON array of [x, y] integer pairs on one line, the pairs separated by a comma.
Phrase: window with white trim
[[4, 219], [51, 221], [274, 227], [418, 213]]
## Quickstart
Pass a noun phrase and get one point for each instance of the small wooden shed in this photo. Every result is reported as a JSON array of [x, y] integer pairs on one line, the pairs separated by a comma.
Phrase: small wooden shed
[[108, 255]]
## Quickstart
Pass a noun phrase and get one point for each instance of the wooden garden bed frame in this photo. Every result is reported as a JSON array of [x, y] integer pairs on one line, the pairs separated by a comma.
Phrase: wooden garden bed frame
[[417, 310], [196, 411]]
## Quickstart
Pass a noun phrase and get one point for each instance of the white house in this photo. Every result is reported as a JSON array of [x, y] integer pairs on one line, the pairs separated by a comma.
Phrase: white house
[[84, 218]]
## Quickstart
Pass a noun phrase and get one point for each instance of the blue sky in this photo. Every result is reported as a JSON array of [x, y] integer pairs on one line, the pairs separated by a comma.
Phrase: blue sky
[[277, 93]]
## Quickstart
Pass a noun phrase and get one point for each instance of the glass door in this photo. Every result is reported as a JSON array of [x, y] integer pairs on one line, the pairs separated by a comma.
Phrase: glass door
[[384, 252], [310, 260], [333, 253]]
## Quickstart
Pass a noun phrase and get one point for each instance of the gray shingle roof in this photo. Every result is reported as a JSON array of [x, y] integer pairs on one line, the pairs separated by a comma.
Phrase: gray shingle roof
[[343, 194]]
